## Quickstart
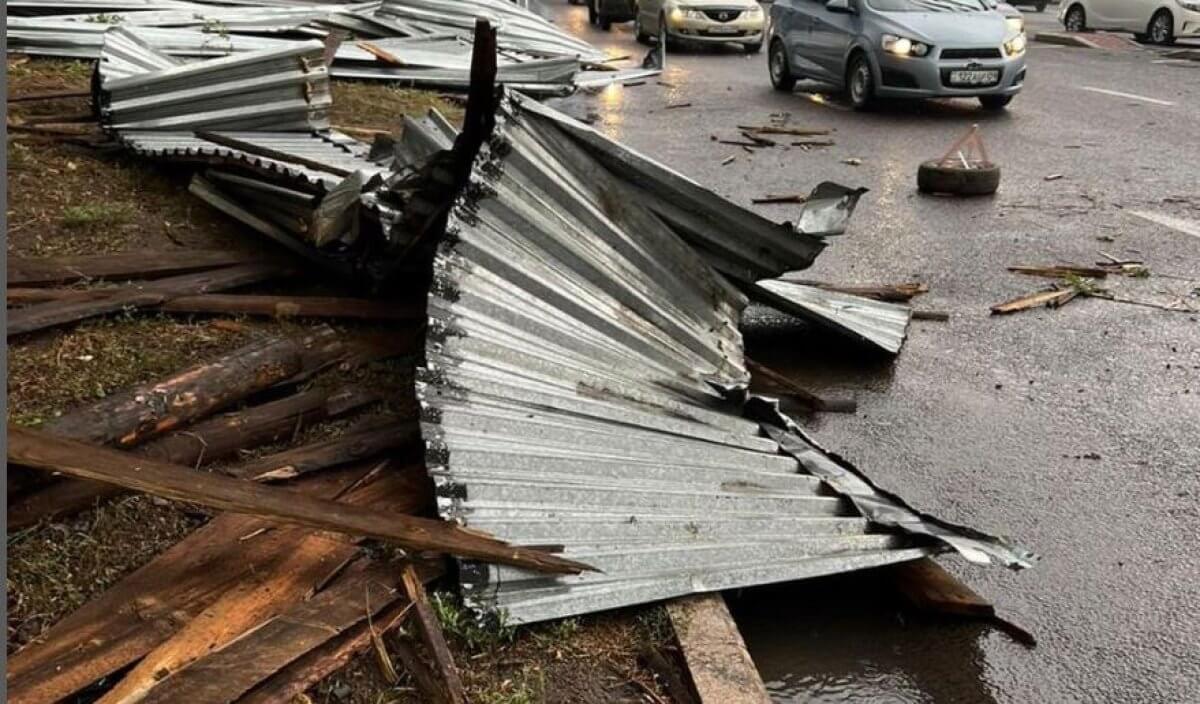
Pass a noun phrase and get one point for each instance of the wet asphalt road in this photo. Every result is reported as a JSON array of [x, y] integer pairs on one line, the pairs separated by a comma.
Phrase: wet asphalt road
[[1075, 431]]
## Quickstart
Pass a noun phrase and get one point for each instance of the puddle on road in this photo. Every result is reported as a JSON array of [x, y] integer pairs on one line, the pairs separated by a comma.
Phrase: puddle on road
[[845, 639]]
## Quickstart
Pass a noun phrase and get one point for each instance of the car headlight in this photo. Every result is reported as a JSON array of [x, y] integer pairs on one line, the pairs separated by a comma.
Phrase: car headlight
[[1193, 5], [1015, 46], [754, 11], [1015, 24], [676, 14], [901, 46], [694, 14]]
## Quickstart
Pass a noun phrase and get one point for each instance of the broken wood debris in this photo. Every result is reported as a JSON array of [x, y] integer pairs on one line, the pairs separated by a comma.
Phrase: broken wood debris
[[791, 131], [149, 410], [1060, 271], [381, 435], [204, 443], [431, 635], [796, 198], [674, 106], [30, 448], [894, 293], [44, 315], [1052, 298]]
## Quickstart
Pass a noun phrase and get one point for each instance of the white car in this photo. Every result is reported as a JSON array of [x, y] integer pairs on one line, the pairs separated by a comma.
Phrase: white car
[[1154, 21], [702, 21]]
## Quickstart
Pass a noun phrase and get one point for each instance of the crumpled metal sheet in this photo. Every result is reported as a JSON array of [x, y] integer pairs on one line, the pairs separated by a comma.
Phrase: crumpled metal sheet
[[879, 506], [762, 249], [584, 388], [882, 324], [517, 28]]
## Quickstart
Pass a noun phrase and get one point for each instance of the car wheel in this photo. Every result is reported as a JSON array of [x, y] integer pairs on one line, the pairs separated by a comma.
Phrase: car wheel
[[605, 24], [1076, 19], [1162, 28], [995, 102], [860, 84], [753, 48], [777, 65], [640, 32], [934, 177]]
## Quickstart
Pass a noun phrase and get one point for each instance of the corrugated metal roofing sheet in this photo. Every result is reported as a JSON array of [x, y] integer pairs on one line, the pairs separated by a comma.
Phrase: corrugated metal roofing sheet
[[882, 324], [576, 394], [284, 89]]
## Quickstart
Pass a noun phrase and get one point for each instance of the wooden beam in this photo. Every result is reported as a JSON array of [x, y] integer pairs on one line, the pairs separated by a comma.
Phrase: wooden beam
[[33, 449], [148, 410], [45, 315], [224, 675], [295, 307], [206, 442], [431, 635], [382, 435], [716, 657], [58, 271], [146, 607]]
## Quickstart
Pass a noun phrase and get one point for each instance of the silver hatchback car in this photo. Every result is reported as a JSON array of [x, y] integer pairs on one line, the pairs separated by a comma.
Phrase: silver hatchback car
[[900, 48]]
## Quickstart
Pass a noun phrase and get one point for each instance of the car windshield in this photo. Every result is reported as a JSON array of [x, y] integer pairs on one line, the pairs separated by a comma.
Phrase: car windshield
[[927, 5]]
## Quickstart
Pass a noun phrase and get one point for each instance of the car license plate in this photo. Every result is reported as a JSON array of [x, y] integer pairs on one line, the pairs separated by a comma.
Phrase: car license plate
[[973, 78], [722, 30]]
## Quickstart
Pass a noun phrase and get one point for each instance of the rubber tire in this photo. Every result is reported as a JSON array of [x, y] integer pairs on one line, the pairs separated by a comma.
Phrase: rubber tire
[[785, 82], [641, 35], [868, 100], [995, 102], [1082, 18], [605, 24], [752, 48], [1170, 38], [932, 178]]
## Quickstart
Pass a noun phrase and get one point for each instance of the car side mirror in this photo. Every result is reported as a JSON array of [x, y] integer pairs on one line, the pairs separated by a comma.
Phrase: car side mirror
[[842, 6]]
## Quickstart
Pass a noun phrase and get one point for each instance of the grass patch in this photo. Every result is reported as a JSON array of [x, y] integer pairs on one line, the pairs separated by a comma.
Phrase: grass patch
[[51, 373], [378, 106], [478, 635], [55, 568], [93, 215]]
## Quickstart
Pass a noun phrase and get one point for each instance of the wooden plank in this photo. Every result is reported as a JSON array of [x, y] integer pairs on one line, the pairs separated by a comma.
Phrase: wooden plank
[[145, 411], [295, 307], [716, 657], [142, 610], [206, 442], [382, 435], [317, 664], [361, 591], [894, 293], [1060, 271], [432, 636], [303, 567], [58, 271], [56, 95], [422, 676], [33, 449], [44, 315]]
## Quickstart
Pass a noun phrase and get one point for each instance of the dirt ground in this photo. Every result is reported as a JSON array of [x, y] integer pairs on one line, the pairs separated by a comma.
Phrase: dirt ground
[[66, 199]]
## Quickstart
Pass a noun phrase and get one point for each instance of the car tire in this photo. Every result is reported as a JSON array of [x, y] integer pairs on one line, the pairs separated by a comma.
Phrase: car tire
[[753, 48], [860, 82], [935, 178], [1161, 29], [995, 102], [640, 32], [605, 24], [1075, 20], [779, 68]]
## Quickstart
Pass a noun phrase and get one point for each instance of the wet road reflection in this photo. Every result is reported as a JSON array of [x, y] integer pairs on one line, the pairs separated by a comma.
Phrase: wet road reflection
[[843, 639]]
